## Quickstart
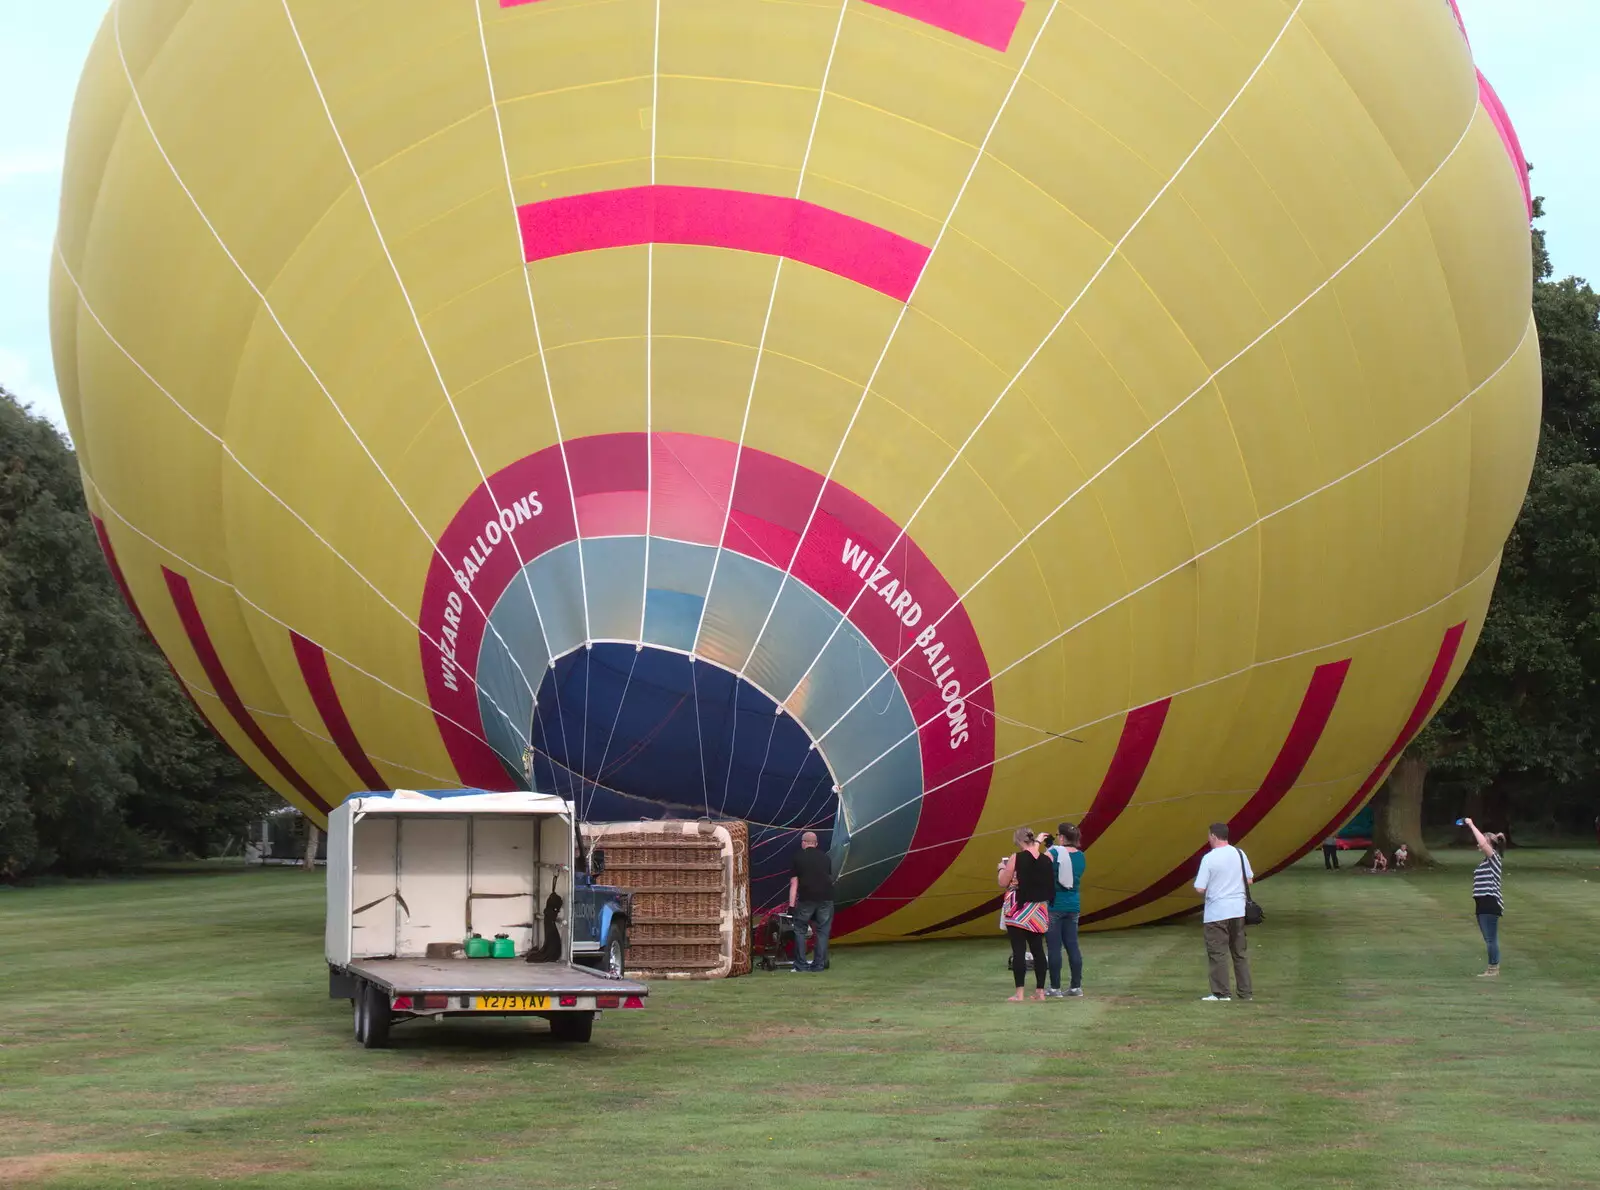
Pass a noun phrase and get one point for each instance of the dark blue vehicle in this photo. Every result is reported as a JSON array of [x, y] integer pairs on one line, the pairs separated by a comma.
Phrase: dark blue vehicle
[[600, 916]]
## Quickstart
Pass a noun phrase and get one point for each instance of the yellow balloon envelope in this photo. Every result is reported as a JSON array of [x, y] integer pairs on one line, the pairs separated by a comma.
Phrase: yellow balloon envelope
[[901, 419]]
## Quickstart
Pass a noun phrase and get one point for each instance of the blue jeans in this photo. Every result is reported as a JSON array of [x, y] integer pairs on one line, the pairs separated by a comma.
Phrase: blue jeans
[[1489, 927], [1064, 931], [820, 912]]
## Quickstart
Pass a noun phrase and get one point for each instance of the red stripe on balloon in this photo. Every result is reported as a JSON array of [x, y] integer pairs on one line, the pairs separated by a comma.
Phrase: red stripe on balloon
[[200, 639], [1135, 746], [127, 597], [1134, 750], [117, 576], [987, 22], [319, 680], [766, 223], [1309, 724], [1448, 648]]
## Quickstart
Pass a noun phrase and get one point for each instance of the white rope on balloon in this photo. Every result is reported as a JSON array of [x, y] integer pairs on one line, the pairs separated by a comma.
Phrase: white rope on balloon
[[267, 306], [1026, 537], [1116, 250], [427, 346], [894, 330], [194, 568], [1242, 670], [533, 314], [761, 345]]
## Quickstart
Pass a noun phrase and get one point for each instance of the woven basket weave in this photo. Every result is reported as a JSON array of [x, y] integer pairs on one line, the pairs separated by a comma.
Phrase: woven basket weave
[[691, 894]]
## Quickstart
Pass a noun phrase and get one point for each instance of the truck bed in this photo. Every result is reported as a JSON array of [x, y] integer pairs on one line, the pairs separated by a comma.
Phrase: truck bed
[[489, 977]]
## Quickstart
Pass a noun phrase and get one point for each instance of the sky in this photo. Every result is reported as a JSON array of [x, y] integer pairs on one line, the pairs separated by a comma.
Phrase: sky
[[1543, 57]]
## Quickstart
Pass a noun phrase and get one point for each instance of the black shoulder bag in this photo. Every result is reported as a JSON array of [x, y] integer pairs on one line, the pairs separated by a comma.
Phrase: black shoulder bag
[[1254, 914]]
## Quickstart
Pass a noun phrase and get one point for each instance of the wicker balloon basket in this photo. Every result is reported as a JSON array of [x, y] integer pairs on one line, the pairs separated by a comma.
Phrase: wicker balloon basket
[[691, 894]]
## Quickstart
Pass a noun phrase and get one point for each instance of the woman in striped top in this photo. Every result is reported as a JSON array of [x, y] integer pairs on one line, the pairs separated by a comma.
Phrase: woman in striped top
[[1486, 892]]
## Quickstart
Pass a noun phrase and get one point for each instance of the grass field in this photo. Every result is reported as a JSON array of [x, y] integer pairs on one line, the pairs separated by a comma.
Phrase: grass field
[[175, 1031]]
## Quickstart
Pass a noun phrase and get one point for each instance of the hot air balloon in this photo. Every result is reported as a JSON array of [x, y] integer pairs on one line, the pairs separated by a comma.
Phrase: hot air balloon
[[904, 419]]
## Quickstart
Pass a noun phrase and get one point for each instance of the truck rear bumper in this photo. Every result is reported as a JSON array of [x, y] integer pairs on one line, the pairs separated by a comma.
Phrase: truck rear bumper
[[461, 985]]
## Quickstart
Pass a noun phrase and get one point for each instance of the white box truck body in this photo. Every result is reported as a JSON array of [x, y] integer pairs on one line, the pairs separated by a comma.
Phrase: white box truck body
[[413, 876]]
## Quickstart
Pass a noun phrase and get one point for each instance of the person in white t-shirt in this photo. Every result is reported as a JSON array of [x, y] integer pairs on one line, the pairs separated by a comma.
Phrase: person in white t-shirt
[[1224, 876]]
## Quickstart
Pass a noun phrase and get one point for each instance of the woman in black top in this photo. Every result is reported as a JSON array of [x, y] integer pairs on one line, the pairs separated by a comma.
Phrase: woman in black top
[[1486, 899], [1033, 878]]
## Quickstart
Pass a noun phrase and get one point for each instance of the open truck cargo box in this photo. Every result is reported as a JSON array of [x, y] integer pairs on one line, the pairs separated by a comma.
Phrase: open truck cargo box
[[412, 875]]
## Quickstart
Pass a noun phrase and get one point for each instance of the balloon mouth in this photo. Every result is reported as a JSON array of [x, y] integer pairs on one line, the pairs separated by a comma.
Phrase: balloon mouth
[[655, 549], [644, 732]]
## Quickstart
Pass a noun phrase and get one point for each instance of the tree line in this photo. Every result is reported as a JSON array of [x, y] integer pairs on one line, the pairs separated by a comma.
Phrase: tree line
[[105, 764]]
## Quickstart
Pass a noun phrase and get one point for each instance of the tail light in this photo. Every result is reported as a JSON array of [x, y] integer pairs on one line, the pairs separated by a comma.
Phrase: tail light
[[568, 1001], [608, 1002], [432, 1002]]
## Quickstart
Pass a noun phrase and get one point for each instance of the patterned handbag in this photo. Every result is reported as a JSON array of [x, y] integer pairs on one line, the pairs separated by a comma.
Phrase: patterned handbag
[[1033, 917]]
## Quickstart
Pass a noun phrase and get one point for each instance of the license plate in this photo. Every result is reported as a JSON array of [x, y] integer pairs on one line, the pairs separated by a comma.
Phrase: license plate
[[512, 1003]]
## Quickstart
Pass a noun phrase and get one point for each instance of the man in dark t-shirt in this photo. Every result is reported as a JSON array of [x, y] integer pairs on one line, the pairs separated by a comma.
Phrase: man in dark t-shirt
[[811, 900]]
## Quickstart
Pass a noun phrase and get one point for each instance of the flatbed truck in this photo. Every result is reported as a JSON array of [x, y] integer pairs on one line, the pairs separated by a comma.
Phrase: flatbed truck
[[414, 875]]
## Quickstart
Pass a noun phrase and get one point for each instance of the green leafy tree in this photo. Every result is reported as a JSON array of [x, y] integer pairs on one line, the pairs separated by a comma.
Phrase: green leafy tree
[[1518, 738], [103, 763]]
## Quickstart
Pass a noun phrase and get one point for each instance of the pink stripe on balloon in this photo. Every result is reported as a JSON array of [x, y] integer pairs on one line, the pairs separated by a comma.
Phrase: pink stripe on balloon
[[767, 223], [1431, 689], [987, 22], [1135, 747], [1508, 136], [222, 684], [1454, 8], [1134, 750], [1309, 722], [319, 680]]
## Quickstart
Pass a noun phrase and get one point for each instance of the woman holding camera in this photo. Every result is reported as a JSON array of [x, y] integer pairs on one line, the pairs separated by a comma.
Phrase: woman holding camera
[[1486, 899]]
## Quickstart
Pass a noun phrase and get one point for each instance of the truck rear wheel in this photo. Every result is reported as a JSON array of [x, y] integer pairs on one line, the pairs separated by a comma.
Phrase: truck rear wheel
[[572, 1026], [372, 1008]]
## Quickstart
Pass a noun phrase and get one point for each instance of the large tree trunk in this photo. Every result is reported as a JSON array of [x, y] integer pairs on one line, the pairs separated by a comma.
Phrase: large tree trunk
[[313, 837], [1399, 820], [1397, 814]]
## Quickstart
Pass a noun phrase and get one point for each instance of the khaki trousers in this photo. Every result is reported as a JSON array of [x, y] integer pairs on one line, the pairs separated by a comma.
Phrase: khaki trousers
[[1225, 939]]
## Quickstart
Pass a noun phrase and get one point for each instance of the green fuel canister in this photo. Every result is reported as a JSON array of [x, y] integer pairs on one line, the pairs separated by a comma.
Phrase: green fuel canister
[[504, 948], [477, 946]]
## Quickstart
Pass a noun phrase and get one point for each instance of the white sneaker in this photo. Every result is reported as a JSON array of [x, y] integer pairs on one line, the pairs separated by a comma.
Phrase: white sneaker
[[1216, 997]]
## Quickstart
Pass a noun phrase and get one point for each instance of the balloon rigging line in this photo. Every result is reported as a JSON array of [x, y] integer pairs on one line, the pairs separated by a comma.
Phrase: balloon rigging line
[[699, 735], [228, 451], [197, 689], [617, 718], [1321, 648], [894, 330], [1218, 545], [1069, 815], [799, 768], [427, 346], [733, 747], [533, 314], [1116, 250], [100, 496], [761, 345], [649, 334], [1202, 387], [267, 306]]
